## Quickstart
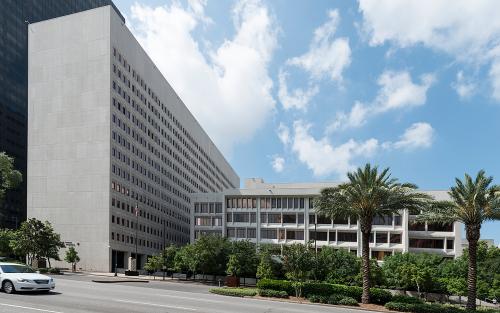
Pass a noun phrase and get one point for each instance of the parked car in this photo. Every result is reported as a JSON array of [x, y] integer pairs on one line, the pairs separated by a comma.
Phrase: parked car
[[19, 277]]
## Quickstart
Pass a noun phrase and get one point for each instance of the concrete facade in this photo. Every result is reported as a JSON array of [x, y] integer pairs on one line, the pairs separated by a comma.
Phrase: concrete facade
[[107, 134], [283, 214]]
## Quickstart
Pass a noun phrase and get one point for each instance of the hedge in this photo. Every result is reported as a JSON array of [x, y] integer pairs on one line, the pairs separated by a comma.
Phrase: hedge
[[272, 293], [275, 284], [406, 299], [378, 296], [422, 308], [235, 292]]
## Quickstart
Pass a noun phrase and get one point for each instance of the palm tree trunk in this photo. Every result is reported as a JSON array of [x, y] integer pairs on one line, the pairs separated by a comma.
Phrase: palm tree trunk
[[365, 250], [472, 275]]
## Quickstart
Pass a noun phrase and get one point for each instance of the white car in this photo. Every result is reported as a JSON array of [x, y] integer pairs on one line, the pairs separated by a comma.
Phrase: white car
[[19, 277]]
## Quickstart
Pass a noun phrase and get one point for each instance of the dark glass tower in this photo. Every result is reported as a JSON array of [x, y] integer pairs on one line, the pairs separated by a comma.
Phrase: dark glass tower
[[15, 15]]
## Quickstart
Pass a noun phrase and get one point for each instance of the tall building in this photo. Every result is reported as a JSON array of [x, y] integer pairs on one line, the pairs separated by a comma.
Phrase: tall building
[[15, 15], [113, 153], [284, 214]]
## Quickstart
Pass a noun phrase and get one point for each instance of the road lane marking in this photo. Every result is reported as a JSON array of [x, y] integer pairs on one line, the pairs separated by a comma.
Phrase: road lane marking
[[158, 305], [28, 308]]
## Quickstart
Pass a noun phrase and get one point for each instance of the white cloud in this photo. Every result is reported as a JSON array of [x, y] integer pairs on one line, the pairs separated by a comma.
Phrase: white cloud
[[467, 30], [232, 84], [298, 98], [278, 163], [327, 57], [322, 157], [284, 134], [464, 87], [397, 91], [418, 135]]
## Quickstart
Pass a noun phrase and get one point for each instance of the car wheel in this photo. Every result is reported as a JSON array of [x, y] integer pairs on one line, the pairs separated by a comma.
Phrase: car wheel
[[8, 287]]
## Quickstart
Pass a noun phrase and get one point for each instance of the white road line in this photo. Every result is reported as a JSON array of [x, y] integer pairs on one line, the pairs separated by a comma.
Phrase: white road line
[[28, 308], [158, 305]]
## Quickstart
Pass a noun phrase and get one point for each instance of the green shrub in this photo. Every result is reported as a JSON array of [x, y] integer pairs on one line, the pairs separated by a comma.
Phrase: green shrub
[[275, 284], [43, 270], [54, 271], [348, 301], [325, 289], [422, 308], [334, 299], [380, 296], [314, 298], [235, 292], [406, 299], [272, 293]]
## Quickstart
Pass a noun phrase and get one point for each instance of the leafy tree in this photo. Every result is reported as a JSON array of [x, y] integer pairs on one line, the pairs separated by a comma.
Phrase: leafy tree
[[72, 257], [6, 235], [243, 259], [474, 201], [154, 263], [168, 256], [212, 253], [337, 266], [186, 260], [368, 194], [35, 239], [9, 177], [297, 263]]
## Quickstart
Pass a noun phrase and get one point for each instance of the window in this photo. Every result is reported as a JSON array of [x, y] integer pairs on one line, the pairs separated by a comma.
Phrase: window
[[381, 237], [253, 217], [274, 218], [263, 217], [397, 220], [382, 220], [240, 217], [251, 233], [395, 238], [427, 243], [281, 234], [380, 255], [240, 233], [295, 235], [203, 221], [229, 217], [231, 232], [347, 236], [312, 219], [324, 220], [319, 236], [450, 244], [300, 218], [416, 226], [270, 233], [340, 221], [448, 227], [289, 218]]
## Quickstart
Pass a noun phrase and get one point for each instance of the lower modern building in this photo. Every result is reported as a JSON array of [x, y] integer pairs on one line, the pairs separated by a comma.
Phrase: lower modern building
[[284, 214], [113, 152]]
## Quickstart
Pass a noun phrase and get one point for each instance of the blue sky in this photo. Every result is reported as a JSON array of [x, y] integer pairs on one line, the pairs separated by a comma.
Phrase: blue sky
[[297, 92]]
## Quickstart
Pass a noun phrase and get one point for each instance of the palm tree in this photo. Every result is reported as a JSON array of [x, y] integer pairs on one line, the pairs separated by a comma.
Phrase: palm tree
[[368, 194], [473, 202]]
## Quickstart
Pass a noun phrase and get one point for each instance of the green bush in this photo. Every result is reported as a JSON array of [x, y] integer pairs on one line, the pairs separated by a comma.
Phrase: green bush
[[43, 270], [325, 289], [272, 293], [335, 299], [54, 271], [348, 301], [380, 296], [422, 308], [406, 299], [314, 298], [235, 292], [275, 284]]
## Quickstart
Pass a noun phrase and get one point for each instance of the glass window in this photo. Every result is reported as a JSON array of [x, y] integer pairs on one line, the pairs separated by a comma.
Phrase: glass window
[[312, 219], [251, 233], [319, 236], [397, 220], [347, 236], [301, 203], [300, 218], [268, 233], [289, 218], [381, 237], [274, 218], [382, 220], [427, 243], [281, 234], [253, 217], [323, 219], [450, 244], [341, 221], [416, 226], [448, 227], [263, 217], [273, 203], [231, 232], [229, 217], [278, 203], [395, 238]]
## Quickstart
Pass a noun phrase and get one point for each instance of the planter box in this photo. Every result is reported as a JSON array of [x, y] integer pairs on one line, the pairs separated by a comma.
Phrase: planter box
[[232, 281]]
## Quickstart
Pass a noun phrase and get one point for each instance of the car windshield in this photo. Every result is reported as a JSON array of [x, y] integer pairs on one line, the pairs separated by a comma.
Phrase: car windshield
[[12, 268]]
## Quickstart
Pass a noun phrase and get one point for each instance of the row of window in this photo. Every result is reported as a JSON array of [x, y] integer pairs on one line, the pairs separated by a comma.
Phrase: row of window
[[208, 221], [129, 239], [265, 203], [432, 243], [422, 226], [204, 207]]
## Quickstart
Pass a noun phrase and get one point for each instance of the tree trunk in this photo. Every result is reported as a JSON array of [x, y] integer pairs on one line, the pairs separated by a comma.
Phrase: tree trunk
[[473, 234], [48, 261], [365, 249]]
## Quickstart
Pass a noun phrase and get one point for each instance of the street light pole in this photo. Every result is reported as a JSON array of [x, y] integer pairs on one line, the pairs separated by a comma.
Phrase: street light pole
[[116, 262], [163, 252]]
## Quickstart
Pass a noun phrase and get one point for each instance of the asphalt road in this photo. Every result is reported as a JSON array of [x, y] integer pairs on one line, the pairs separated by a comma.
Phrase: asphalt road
[[78, 294]]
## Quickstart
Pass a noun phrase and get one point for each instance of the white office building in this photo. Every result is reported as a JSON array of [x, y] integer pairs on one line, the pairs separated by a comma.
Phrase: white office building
[[284, 214], [108, 134]]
